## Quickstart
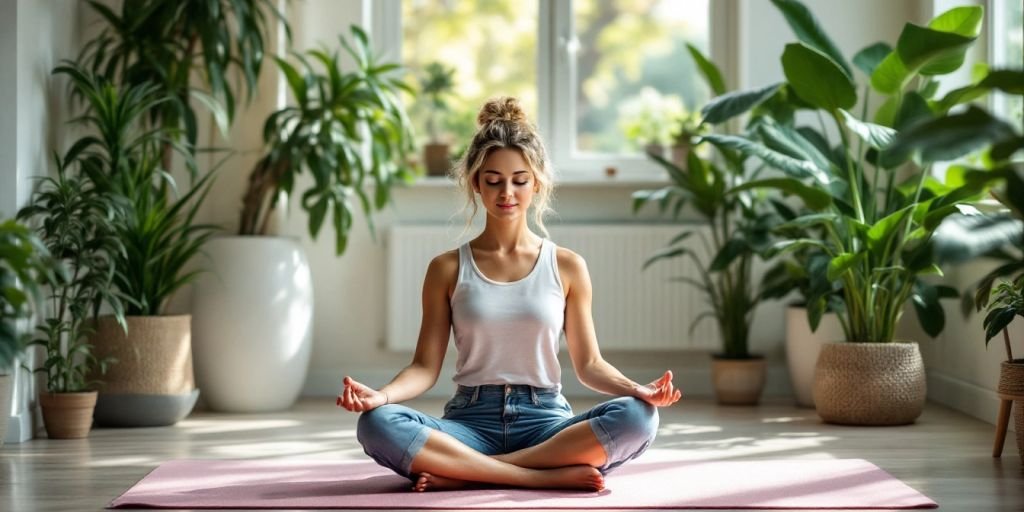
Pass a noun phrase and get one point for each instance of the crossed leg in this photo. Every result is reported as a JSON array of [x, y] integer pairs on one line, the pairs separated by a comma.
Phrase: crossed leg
[[568, 460]]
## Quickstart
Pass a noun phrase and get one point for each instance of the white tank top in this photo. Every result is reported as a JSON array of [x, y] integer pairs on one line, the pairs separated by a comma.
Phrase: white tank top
[[508, 333]]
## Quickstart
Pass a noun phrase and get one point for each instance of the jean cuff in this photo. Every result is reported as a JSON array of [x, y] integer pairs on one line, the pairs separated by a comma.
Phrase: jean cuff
[[414, 448], [606, 441]]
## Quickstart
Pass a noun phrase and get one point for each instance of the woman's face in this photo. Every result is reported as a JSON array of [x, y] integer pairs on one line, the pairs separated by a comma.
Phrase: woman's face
[[505, 183]]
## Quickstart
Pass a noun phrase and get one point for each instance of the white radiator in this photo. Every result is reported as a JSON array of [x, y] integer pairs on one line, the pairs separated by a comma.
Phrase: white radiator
[[633, 309]]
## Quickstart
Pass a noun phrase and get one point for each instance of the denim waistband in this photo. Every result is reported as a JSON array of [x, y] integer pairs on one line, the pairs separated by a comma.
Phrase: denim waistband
[[505, 389]]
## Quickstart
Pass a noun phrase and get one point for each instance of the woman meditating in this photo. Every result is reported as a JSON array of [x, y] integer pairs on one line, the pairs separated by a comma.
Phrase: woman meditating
[[508, 294]]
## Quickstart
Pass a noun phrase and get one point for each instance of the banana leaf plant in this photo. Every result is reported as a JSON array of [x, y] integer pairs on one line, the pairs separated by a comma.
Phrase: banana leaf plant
[[153, 219], [348, 129], [871, 188], [740, 225]]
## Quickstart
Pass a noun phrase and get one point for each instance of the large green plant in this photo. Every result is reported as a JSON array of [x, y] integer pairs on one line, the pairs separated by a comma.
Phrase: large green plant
[[75, 224], [739, 222], [167, 44], [876, 200], [347, 129], [25, 265], [154, 221]]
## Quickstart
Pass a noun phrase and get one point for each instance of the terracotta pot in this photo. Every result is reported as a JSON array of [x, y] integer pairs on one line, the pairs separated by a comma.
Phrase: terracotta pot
[[435, 158], [680, 154], [738, 381], [870, 383], [67, 415]]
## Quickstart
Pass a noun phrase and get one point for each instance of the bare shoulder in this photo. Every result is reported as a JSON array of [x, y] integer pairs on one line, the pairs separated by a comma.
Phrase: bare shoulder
[[443, 271], [572, 267]]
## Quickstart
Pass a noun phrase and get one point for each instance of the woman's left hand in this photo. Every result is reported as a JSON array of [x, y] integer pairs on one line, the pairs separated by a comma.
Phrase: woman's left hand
[[660, 393]]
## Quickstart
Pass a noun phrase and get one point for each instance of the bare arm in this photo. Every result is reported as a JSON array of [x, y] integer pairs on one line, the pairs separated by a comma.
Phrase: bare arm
[[591, 368], [421, 374]]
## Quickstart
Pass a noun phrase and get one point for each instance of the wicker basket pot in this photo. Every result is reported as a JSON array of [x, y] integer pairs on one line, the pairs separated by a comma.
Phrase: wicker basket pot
[[1011, 382], [869, 383]]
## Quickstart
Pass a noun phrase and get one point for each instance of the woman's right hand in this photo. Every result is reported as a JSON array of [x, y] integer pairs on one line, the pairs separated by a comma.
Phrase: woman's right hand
[[358, 397]]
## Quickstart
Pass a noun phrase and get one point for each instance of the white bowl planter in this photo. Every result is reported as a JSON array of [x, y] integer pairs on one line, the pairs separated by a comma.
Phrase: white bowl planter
[[252, 324]]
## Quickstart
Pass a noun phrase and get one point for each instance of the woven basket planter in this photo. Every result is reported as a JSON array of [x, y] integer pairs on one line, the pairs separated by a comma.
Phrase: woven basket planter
[[1011, 382], [869, 383]]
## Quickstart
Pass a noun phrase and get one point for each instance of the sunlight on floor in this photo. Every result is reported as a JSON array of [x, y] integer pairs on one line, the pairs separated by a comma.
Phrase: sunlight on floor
[[223, 425]]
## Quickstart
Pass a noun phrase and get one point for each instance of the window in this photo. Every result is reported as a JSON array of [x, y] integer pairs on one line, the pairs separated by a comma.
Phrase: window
[[1007, 44], [601, 78]]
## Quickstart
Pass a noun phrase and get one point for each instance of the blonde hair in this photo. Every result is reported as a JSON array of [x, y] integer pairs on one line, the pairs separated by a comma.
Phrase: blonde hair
[[502, 123]]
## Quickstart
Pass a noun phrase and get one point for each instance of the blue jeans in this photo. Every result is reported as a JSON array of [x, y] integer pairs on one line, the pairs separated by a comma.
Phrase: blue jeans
[[497, 419]]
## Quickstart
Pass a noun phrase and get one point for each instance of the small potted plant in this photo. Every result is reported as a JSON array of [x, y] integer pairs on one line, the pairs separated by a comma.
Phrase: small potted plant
[[24, 265], [75, 226], [740, 223], [436, 84], [649, 119]]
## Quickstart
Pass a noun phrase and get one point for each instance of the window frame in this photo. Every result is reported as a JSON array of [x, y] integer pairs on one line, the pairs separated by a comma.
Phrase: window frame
[[556, 84], [995, 13]]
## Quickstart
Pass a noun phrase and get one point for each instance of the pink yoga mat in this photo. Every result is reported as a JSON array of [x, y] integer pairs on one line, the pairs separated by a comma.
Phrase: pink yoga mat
[[765, 484]]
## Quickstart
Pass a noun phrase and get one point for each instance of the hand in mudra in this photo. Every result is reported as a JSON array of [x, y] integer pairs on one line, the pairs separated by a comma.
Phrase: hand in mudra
[[660, 393], [358, 397]]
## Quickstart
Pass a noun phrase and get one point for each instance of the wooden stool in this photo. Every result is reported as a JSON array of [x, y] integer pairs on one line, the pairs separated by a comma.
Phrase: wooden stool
[[1005, 403]]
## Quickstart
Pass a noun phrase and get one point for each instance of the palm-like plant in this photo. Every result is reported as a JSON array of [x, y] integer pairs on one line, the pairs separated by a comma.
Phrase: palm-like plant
[[347, 129], [872, 193], [25, 265], [75, 225], [122, 157], [166, 43], [740, 225]]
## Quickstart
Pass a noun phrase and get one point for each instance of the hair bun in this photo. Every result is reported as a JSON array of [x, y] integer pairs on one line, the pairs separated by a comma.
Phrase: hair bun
[[505, 108]]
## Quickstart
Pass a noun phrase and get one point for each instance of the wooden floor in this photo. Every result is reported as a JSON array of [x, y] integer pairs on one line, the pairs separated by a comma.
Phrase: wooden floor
[[946, 455]]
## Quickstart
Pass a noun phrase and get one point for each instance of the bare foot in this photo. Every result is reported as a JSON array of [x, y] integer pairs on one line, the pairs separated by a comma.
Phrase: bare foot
[[429, 482], [586, 478]]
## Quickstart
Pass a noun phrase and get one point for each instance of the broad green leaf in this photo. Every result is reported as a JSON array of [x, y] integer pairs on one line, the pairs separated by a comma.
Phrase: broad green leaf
[[876, 136], [810, 32], [882, 231], [891, 75], [948, 138], [784, 163], [843, 263], [727, 106], [817, 79], [931, 52], [711, 73], [965, 21], [870, 57], [813, 198]]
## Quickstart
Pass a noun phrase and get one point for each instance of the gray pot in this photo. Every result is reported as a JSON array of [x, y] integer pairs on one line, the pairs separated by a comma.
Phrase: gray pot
[[6, 390]]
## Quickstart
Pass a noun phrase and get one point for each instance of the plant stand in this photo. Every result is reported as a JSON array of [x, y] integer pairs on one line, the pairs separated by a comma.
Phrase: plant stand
[[1005, 404], [1010, 389]]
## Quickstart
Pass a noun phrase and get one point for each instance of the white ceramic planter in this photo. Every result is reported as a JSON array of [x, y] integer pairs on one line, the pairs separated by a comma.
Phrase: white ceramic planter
[[252, 324], [803, 347]]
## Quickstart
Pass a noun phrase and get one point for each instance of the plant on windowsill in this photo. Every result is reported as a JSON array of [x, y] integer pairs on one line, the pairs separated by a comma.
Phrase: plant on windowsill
[[25, 265], [879, 206], [649, 120], [75, 224], [738, 224], [344, 141], [436, 84]]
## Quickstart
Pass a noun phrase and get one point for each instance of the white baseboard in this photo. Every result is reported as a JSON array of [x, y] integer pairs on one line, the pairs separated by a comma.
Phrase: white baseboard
[[695, 382], [965, 397]]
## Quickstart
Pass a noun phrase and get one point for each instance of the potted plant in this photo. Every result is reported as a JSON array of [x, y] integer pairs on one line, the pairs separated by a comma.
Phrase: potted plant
[[436, 84], [121, 154], [349, 131], [75, 226], [648, 119], [165, 49], [879, 207], [25, 264], [739, 224]]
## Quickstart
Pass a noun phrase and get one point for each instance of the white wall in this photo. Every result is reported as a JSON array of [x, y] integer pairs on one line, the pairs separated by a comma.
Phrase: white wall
[[36, 36]]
